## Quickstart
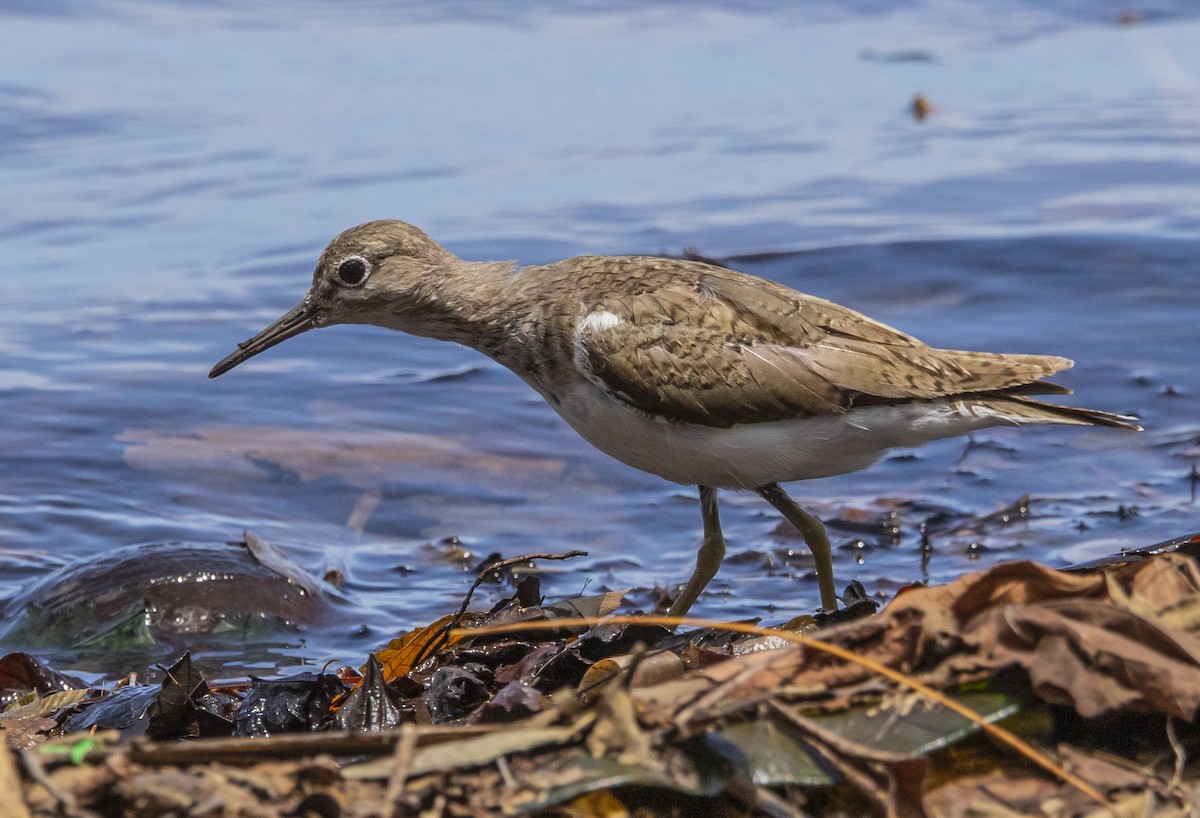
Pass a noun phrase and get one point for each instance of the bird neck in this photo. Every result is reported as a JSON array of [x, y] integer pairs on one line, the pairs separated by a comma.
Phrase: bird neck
[[508, 313], [461, 301]]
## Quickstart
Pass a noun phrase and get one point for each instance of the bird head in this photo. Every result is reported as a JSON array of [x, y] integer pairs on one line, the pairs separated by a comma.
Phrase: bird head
[[378, 273]]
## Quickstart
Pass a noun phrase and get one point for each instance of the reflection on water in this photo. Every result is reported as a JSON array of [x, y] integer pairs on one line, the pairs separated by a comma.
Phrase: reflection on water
[[172, 171]]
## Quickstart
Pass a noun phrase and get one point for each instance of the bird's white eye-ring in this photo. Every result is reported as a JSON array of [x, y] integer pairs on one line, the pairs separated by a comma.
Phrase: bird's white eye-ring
[[353, 270]]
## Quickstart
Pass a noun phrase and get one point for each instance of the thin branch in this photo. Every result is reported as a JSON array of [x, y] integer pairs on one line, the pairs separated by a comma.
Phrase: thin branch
[[438, 642]]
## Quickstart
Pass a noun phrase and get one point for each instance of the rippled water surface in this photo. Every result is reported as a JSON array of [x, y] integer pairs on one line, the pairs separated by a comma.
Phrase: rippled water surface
[[169, 172]]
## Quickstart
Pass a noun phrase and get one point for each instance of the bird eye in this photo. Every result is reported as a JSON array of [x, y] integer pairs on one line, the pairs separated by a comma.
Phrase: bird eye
[[353, 270]]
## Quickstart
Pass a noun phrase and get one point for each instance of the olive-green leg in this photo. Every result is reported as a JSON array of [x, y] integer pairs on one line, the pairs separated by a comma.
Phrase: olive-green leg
[[815, 538], [709, 558]]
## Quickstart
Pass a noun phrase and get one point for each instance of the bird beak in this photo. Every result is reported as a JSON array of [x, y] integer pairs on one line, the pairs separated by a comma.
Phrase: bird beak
[[299, 320]]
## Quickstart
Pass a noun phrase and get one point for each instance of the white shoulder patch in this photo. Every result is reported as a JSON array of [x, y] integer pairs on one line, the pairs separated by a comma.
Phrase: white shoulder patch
[[598, 321]]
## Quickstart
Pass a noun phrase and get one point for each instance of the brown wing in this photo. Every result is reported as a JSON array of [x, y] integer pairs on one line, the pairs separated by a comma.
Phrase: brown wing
[[718, 347]]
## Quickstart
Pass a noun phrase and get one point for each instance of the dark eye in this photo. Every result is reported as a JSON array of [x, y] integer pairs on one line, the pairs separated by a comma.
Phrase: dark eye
[[353, 270]]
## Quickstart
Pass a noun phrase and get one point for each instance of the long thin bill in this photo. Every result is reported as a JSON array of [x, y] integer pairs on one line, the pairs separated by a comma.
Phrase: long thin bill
[[299, 320]]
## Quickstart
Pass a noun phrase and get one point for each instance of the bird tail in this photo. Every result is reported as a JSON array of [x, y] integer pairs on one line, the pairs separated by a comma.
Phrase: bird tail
[[1019, 410]]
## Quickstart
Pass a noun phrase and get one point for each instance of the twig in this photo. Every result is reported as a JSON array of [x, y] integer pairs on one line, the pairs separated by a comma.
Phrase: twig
[[402, 758], [33, 766], [201, 751], [438, 642], [506, 773]]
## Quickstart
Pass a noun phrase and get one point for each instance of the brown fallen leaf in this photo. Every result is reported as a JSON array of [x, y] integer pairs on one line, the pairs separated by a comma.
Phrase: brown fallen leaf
[[648, 669], [1008, 583], [1094, 656], [1000, 794], [400, 656], [1095, 639]]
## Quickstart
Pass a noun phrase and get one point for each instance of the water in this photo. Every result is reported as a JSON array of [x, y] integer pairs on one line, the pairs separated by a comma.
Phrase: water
[[169, 172]]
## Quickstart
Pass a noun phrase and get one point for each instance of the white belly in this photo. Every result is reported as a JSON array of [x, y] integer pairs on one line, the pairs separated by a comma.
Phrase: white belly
[[754, 454]]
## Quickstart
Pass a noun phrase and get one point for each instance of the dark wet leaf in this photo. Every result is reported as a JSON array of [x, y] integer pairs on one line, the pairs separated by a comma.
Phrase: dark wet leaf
[[372, 705], [712, 639], [186, 708], [525, 668], [529, 592], [857, 605], [566, 668], [509, 613], [21, 673], [491, 654], [569, 666], [456, 691], [512, 702], [124, 709], [607, 640], [290, 705]]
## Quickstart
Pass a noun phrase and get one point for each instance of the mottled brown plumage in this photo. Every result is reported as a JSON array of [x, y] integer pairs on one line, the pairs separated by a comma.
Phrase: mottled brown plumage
[[703, 344], [688, 370]]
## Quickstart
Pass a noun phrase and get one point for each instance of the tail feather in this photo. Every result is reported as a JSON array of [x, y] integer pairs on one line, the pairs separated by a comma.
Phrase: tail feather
[[1018, 409], [985, 371], [1038, 388]]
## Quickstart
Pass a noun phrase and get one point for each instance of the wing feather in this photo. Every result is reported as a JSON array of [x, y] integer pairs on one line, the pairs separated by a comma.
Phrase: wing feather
[[720, 347]]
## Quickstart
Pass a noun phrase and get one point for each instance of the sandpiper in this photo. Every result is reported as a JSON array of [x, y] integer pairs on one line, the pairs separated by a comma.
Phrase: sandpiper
[[700, 374]]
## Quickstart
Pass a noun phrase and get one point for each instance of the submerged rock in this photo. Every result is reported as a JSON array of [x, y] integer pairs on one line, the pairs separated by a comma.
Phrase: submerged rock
[[144, 595]]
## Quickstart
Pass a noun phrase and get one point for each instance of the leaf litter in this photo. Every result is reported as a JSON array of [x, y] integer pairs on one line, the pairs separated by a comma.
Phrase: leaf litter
[[1013, 691]]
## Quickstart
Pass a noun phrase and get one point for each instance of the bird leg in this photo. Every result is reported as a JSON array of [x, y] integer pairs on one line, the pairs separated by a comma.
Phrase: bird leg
[[709, 558], [814, 535]]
